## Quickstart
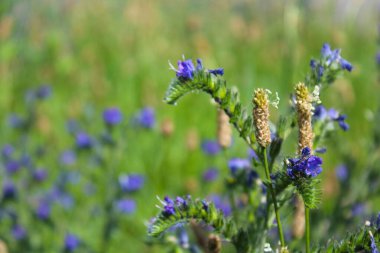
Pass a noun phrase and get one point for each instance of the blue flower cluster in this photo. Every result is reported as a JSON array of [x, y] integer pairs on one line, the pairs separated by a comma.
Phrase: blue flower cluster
[[322, 114], [330, 60], [186, 69], [305, 166], [170, 205]]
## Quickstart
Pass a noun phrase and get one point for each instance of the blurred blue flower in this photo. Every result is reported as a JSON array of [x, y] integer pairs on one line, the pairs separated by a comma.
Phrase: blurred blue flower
[[358, 209], [373, 244], [16, 121], [43, 210], [71, 242], [131, 182], [9, 190], [126, 206], [7, 151], [341, 172], [306, 166], [72, 126], [42, 92], [183, 237], [236, 164], [221, 204], [218, 71], [331, 56], [210, 174], [39, 174], [146, 117], [83, 140], [68, 157], [210, 147], [112, 116], [320, 112], [252, 155], [321, 150], [18, 232], [12, 166], [378, 58]]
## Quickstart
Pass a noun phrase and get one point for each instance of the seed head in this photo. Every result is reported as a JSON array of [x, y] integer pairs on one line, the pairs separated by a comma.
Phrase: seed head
[[224, 130], [261, 117], [304, 114]]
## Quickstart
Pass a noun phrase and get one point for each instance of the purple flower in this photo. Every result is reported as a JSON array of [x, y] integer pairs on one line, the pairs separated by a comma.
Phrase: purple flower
[[321, 150], [18, 232], [252, 155], [218, 71], [236, 164], [185, 69], [169, 208], [40, 175], [83, 140], [210, 147], [358, 209], [331, 56], [71, 242], [221, 204], [12, 166], [125, 206], [373, 244], [112, 116], [320, 112], [341, 172], [9, 190], [43, 210], [210, 174], [7, 151], [131, 182], [146, 117], [42, 92], [68, 157], [306, 166]]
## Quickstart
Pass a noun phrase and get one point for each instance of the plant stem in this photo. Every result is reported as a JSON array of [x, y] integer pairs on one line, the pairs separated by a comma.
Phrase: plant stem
[[267, 173], [307, 223]]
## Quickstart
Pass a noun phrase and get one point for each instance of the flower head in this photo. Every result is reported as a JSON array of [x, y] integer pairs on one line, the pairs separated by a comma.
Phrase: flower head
[[44, 91], [125, 206], [185, 69], [71, 242], [236, 164], [43, 210], [210, 147], [9, 190], [261, 117], [331, 56], [146, 117], [68, 157], [18, 232], [40, 175], [131, 182], [83, 140], [306, 166], [112, 116], [210, 174]]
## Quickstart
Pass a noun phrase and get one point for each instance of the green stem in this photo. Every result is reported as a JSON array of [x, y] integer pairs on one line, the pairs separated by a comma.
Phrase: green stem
[[307, 223], [279, 225]]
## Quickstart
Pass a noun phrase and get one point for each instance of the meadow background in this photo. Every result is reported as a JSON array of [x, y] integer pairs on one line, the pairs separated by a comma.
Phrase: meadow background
[[100, 54]]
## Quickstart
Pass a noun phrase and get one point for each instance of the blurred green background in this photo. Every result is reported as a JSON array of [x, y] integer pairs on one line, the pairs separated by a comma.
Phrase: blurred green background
[[115, 53]]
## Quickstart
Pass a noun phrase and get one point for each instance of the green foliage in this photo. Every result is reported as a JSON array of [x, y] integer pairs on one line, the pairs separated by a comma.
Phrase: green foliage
[[192, 211], [310, 191]]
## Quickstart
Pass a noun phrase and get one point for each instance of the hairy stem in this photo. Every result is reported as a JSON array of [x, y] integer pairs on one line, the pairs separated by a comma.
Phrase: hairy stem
[[279, 225], [307, 232]]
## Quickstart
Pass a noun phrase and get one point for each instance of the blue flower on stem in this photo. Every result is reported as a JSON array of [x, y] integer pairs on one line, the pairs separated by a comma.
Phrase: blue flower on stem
[[210, 174], [341, 172], [112, 116], [71, 242], [210, 147], [125, 206], [236, 164], [373, 244], [42, 92], [185, 69], [132, 182], [9, 190], [218, 71], [40, 175], [146, 117], [307, 165], [18, 232], [43, 210], [83, 140], [331, 56]]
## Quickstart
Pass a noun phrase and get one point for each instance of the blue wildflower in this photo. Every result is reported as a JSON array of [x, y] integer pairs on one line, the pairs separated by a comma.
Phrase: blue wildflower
[[112, 116], [373, 244], [306, 166], [9, 190], [40, 175], [43, 210], [67, 157], [146, 117], [185, 69], [210, 174], [12, 166], [42, 92], [331, 56], [125, 206], [18, 232], [252, 155], [221, 204], [320, 112], [7, 151], [183, 238], [236, 164], [218, 71], [210, 147], [341, 172], [358, 209], [71, 242], [131, 182], [83, 140], [205, 205], [169, 208], [199, 65], [321, 150]]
